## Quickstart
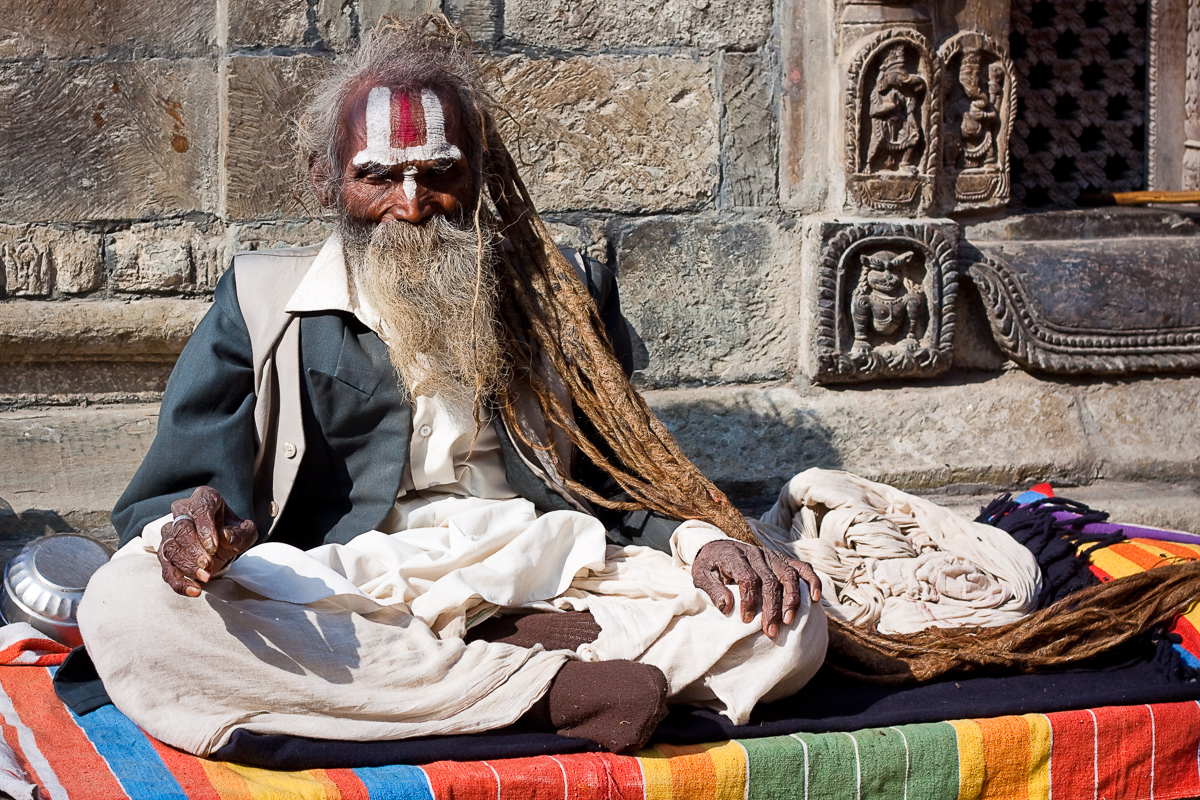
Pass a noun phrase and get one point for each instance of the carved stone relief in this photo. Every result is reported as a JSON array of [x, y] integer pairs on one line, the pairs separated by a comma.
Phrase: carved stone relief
[[1091, 307], [979, 108], [25, 269], [1081, 73], [893, 125], [886, 301], [1191, 127]]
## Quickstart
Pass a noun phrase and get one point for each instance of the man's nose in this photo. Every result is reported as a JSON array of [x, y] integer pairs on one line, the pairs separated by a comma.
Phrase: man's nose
[[410, 204]]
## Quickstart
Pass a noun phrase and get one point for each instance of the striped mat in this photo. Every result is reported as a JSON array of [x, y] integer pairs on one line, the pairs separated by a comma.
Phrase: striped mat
[[1130, 752]]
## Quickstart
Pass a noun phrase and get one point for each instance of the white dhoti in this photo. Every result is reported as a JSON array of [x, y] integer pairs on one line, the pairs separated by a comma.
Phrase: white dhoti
[[363, 641]]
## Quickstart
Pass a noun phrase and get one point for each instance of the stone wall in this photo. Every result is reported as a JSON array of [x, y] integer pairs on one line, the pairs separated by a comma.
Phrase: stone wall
[[142, 144]]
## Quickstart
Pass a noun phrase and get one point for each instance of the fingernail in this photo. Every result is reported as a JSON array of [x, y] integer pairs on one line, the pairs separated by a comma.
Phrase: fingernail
[[192, 591], [203, 576], [721, 605], [772, 631], [788, 616]]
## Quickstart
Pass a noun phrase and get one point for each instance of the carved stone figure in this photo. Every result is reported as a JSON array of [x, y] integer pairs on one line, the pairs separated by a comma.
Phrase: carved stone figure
[[893, 136], [979, 115], [897, 140], [885, 301]]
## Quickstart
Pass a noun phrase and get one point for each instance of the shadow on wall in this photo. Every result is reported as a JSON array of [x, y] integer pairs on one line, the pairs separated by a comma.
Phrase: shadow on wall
[[747, 443], [17, 530]]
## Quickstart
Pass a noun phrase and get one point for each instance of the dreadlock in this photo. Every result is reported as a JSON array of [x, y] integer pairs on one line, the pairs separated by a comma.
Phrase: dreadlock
[[552, 331]]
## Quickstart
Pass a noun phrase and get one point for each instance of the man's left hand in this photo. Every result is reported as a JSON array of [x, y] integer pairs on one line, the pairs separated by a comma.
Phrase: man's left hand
[[759, 573]]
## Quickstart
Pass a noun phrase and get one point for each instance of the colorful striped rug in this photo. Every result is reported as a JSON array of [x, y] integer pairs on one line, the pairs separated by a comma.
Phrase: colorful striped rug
[[1131, 752]]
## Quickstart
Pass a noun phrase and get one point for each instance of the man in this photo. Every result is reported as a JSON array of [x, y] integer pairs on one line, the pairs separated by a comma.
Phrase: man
[[439, 372]]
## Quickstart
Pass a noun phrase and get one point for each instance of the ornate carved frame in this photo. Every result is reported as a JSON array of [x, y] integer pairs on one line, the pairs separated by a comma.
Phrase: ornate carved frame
[[893, 192], [997, 193], [833, 364]]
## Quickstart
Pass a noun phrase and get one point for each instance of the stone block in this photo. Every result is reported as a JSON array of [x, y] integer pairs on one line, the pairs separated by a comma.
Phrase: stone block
[[65, 28], [151, 257], [75, 460], [708, 300], [107, 140], [287, 23], [600, 24], [481, 19], [36, 259], [33, 331], [588, 235], [284, 233], [750, 440], [629, 134], [263, 172], [749, 139], [1145, 427]]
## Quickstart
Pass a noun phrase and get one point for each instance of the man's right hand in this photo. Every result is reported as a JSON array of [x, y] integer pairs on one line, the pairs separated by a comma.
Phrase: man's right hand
[[204, 537]]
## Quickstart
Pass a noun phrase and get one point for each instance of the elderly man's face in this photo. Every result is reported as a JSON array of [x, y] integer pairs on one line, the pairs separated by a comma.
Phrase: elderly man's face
[[404, 156]]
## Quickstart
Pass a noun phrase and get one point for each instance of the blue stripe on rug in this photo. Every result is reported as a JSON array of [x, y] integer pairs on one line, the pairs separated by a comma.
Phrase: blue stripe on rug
[[129, 754], [400, 782]]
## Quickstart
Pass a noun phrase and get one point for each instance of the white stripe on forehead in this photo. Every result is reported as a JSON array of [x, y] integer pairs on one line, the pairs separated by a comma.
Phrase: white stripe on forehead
[[379, 148]]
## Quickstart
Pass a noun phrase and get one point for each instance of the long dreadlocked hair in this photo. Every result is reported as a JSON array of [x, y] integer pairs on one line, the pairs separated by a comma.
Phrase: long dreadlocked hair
[[550, 327]]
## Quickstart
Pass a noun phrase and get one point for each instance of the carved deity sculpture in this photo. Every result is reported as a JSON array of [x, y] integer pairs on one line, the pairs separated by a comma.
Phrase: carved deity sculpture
[[896, 135], [886, 303], [980, 110]]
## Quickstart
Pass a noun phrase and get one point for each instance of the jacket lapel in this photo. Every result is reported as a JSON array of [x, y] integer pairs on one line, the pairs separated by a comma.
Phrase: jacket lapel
[[358, 406]]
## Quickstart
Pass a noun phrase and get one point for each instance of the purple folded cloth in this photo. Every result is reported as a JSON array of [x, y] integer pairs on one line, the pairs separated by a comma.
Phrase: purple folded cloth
[[1129, 531]]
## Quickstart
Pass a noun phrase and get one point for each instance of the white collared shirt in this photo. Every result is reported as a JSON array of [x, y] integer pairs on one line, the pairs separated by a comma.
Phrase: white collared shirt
[[441, 459]]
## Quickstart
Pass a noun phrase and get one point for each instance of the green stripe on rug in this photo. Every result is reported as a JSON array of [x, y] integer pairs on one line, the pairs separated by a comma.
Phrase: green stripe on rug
[[911, 762]]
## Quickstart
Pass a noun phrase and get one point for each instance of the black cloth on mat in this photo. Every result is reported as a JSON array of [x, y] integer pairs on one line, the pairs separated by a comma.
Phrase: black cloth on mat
[[77, 684], [828, 703]]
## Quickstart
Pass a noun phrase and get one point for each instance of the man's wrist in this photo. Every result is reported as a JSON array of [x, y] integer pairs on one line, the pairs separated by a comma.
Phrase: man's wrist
[[691, 536]]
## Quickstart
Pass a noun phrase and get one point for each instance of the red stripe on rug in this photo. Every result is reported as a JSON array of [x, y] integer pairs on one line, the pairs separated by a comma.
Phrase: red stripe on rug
[[1072, 754], [1187, 631], [13, 739], [602, 776], [348, 784], [462, 780], [538, 778], [82, 772], [187, 769], [1125, 750], [1176, 740], [1138, 555]]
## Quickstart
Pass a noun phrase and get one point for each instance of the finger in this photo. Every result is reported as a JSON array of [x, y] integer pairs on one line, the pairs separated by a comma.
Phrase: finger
[[809, 576], [790, 578], [235, 540], [179, 583], [207, 506], [707, 581], [771, 590], [184, 551], [737, 569]]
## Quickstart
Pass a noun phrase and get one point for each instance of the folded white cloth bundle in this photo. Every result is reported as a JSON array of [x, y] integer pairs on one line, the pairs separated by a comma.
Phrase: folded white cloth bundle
[[897, 561]]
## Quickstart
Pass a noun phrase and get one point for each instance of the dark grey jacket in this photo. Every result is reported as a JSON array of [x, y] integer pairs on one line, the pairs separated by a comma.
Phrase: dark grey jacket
[[219, 422]]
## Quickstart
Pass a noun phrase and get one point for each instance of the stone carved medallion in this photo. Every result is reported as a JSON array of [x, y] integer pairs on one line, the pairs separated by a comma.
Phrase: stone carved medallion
[[980, 109], [1099, 307], [886, 301], [893, 123]]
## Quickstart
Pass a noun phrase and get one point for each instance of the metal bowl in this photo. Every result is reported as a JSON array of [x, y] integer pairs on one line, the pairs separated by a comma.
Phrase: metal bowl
[[44, 583]]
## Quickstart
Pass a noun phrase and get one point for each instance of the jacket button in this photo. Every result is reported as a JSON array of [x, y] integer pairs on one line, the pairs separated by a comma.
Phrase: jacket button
[[274, 509], [289, 449], [425, 430]]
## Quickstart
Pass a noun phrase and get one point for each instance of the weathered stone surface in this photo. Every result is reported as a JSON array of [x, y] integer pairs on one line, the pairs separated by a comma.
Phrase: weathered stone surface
[[72, 461], [749, 165], [604, 132], [751, 440], [149, 258], [286, 23], [371, 11], [708, 300], [598, 24], [263, 172], [285, 233], [64, 28], [1145, 427], [42, 331], [42, 383], [106, 140], [481, 19], [35, 259], [588, 235]]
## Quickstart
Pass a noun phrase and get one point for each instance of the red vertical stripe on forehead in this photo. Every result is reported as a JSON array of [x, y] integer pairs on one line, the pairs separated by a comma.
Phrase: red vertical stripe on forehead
[[408, 121]]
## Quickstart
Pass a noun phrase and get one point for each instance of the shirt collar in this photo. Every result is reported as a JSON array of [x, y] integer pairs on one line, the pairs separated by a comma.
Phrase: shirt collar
[[327, 287]]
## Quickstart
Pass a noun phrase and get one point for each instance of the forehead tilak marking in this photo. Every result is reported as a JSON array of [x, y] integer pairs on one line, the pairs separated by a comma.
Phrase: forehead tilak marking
[[398, 132]]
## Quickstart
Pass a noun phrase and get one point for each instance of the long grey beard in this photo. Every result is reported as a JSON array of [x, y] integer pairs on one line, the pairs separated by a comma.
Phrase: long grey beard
[[435, 292]]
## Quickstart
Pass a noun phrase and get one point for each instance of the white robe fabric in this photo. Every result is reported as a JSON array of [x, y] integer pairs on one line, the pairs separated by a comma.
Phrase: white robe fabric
[[363, 641], [902, 563]]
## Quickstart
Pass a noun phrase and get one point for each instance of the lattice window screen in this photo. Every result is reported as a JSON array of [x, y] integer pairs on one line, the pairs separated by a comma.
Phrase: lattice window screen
[[1081, 88]]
